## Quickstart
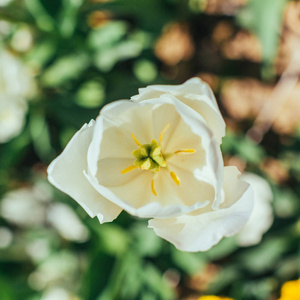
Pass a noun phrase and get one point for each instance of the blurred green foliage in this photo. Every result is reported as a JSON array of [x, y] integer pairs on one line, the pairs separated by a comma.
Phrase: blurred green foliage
[[86, 54]]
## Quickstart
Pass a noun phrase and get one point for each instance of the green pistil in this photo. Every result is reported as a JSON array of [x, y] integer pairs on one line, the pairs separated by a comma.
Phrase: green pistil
[[149, 157]]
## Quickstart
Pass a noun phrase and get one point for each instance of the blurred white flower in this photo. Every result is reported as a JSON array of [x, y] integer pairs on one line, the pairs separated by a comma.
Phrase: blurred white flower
[[12, 116], [261, 218], [5, 28], [67, 223], [22, 39], [57, 293], [31, 206], [23, 207], [15, 77], [60, 268], [6, 237], [16, 85], [38, 249], [4, 2], [158, 157]]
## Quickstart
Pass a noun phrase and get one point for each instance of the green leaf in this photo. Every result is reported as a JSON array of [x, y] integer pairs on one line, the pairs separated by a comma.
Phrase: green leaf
[[188, 262], [98, 276], [107, 35], [286, 203], [158, 285], [112, 238], [145, 70], [39, 131], [265, 256], [264, 18], [145, 241], [224, 248], [250, 151], [42, 53], [142, 11], [91, 94], [6, 289], [223, 279], [64, 69], [43, 20], [107, 58], [69, 16]]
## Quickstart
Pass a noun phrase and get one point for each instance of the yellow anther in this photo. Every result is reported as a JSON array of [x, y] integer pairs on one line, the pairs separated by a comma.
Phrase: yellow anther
[[153, 188], [163, 132], [185, 151], [136, 141], [128, 169], [175, 178]]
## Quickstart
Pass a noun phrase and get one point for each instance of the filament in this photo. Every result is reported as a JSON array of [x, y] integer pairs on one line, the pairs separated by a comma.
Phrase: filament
[[175, 178], [153, 188], [136, 141], [163, 132], [128, 169]]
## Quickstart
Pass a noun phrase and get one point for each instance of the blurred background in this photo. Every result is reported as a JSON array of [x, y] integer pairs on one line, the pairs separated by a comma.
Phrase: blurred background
[[62, 60]]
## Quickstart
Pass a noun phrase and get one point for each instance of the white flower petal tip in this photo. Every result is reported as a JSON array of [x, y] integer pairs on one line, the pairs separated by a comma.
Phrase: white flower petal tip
[[158, 156], [205, 228], [262, 216]]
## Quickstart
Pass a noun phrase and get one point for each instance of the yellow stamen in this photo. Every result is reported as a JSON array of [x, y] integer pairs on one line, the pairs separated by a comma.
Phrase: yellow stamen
[[128, 169], [185, 151], [136, 141], [175, 178], [153, 188], [163, 132]]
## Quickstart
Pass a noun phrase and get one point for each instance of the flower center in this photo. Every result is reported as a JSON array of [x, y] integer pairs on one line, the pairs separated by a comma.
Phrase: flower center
[[150, 157]]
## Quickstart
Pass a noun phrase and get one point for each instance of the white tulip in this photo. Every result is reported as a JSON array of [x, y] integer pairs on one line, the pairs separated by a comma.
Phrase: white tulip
[[158, 157], [262, 217]]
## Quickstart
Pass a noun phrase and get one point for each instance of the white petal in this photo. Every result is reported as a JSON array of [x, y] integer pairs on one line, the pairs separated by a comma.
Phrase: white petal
[[196, 94], [210, 113], [132, 191], [192, 86], [66, 173], [199, 232], [116, 123], [261, 218]]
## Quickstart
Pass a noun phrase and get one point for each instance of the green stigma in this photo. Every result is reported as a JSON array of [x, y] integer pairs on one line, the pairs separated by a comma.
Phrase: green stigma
[[149, 157]]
